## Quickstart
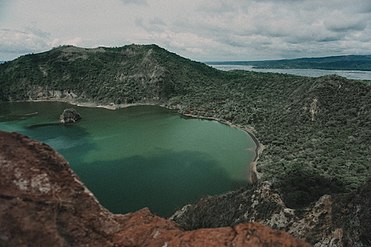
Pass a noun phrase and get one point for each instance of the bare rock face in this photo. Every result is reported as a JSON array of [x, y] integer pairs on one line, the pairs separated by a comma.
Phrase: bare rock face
[[43, 203], [259, 203], [338, 221], [69, 116]]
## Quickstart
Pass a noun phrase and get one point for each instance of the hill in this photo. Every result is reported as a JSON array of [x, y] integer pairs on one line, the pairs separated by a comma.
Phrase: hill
[[317, 131], [120, 75], [350, 62]]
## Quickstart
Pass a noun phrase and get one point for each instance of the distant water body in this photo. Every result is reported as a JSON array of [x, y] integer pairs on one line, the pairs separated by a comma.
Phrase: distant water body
[[137, 157], [350, 74]]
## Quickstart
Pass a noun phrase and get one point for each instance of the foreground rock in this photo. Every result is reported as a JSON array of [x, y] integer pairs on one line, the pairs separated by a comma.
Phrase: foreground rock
[[69, 116], [338, 220], [43, 203]]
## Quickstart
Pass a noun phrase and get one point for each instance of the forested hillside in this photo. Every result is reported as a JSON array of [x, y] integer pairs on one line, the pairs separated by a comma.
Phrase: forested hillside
[[317, 131]]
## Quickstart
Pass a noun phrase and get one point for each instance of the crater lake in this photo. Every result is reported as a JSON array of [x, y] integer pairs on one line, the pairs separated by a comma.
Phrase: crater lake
[[142, 156]]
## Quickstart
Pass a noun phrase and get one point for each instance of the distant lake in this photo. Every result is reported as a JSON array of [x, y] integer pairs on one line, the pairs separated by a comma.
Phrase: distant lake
[[350, 74], [137, 157]]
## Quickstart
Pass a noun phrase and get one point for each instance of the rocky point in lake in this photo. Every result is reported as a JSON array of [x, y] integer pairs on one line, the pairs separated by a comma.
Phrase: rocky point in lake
[[69, 116]]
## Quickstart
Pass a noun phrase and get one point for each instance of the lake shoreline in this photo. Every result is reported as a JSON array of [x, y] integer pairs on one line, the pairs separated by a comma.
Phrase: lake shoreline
[[253, 175], [259, 147]]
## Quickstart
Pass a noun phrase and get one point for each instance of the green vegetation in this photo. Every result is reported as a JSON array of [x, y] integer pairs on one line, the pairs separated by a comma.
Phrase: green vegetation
[[351, 62], [309, 186], [319, 127]]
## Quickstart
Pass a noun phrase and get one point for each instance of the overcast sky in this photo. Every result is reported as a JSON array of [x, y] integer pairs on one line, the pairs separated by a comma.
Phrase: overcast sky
[[203, 30]]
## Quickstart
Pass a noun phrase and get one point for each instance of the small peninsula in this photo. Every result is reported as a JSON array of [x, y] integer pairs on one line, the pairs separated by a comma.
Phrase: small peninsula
[[349, 62]]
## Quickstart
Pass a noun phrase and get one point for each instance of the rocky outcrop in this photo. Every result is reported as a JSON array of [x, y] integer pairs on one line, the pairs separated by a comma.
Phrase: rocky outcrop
[[69, 116], [338, 220], [259, 203], [43, 203], [352, 212]]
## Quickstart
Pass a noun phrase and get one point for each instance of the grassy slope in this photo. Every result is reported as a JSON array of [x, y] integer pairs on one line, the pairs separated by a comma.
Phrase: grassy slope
[[306, 155]]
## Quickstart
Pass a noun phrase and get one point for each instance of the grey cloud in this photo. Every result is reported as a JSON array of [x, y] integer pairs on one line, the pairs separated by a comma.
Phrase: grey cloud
[[216, 7], [282, 1], [263, 29], [328, 39], [151, 25], [360, 6], [283, 28], [134, 2], [345, 25], [234, 43], [319, 36], [198, 29], [139, 22], [38, 32], [21, 42], [4, 5]]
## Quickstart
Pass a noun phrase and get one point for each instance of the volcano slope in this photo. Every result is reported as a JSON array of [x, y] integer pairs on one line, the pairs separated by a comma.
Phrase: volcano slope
[[316, 132]]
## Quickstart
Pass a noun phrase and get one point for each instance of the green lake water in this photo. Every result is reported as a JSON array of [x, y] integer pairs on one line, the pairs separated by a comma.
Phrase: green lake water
[[143, 156]]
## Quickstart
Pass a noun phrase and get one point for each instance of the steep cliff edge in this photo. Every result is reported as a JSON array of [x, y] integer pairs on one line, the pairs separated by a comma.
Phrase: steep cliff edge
[[338, 220], [43, 203]]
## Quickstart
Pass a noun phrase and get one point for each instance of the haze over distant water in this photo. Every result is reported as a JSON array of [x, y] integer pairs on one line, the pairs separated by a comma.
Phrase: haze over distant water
[[350, 74]]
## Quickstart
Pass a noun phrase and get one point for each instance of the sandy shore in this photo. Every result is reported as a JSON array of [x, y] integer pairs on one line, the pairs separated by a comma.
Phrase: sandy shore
[[253, 176], [259, 147], [110, 106]]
